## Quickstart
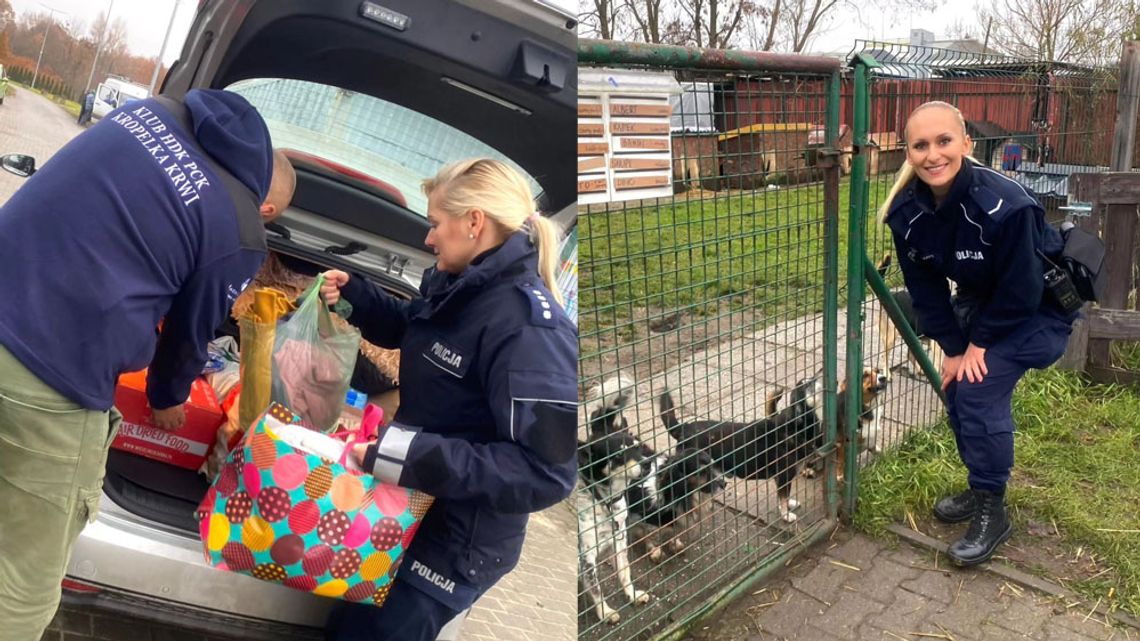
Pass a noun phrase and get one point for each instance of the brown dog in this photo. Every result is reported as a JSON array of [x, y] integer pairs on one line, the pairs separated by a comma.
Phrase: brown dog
[[873, 384]]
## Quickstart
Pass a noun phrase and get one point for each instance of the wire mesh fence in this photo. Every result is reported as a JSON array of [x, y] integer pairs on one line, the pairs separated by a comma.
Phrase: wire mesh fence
[[1035, 122], [707, 330]]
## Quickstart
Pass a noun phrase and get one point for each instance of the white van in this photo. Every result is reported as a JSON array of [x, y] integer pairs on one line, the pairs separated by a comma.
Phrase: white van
[[113, 93]]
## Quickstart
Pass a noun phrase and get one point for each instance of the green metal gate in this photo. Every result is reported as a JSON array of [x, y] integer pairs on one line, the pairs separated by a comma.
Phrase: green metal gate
[[721, 294]]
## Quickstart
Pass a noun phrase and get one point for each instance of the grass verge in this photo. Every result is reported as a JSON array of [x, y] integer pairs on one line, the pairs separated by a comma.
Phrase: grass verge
[[70, 106]]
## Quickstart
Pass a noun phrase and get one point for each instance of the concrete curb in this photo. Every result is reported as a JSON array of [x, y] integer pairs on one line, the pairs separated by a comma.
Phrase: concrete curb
[[1010, 573]]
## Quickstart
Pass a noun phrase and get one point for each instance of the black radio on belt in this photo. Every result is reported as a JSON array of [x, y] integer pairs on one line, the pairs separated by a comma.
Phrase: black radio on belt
[[1060, 286]]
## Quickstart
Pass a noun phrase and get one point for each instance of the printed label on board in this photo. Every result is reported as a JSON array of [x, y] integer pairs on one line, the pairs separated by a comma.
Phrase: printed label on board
[[625, 109], [591, 164], [591, 129], [628, 164], [592, 148], [640, 182], [659, 144], [644, 128], [591, 186]]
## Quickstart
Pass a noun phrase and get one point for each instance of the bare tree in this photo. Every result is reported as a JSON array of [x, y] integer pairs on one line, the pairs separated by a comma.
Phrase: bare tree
[[1081, 31], [114, 45], [600, 19], [804, 17], [960, 30], [647, 15], [791, 25], [7, 16], [716, 24], [7, 19], [762, 29]]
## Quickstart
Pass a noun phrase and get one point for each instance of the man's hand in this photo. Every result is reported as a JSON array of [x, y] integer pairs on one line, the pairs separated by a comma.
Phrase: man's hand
[[170, 418], [330, 289]]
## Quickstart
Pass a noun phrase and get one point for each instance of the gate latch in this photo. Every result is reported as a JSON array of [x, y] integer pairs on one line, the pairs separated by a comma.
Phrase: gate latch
[[826, 158]]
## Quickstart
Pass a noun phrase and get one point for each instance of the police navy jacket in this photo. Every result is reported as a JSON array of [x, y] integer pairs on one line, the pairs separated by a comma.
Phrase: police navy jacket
[[487, 422], [152, 212], [985, 237]]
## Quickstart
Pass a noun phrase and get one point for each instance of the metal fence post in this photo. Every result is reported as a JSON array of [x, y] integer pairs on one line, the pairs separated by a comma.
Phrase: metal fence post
[[891, 307], [831, 291], [856, 223]]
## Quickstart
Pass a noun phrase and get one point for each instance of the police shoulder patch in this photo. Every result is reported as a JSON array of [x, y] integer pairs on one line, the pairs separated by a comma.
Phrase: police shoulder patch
[[543, 308], [988, 200], [904, 196], [997, 195]]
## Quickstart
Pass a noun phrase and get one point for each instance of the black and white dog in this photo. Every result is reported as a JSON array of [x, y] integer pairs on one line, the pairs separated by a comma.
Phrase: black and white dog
[[768, 448], [607, 467], [671, 484], [608, 464], [672, 487]]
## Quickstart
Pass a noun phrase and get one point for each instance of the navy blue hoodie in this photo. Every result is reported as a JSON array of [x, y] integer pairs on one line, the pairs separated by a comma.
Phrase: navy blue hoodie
[[152, 212]]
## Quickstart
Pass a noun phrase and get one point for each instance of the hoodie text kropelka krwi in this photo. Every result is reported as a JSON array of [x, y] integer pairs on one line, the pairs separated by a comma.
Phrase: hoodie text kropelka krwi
[[153, 135]]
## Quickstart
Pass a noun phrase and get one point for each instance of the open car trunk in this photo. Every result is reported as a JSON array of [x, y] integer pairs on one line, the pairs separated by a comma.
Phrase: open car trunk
[[154, 490]]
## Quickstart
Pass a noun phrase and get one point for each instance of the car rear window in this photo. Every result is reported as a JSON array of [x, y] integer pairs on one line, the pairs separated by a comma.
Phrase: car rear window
[[385, 141]]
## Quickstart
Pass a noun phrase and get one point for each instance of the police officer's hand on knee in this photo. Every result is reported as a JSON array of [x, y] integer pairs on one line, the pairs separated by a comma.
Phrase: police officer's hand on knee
[[330, 289], [973, 365]]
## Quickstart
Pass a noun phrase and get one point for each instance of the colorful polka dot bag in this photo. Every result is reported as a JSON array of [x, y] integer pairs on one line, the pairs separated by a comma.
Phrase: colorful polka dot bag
[[283, 513]]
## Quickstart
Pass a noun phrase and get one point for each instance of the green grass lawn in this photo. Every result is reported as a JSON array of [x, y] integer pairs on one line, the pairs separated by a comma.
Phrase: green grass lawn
[[763, 249], [1077, 451]]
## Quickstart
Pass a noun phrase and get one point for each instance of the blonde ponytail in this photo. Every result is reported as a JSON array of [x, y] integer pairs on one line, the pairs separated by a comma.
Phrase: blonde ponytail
[[504, 195], [906, 172], [545, 235]]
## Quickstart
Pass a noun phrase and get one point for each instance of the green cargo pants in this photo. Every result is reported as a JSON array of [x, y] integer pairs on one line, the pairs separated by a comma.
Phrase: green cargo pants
[[52, 459]]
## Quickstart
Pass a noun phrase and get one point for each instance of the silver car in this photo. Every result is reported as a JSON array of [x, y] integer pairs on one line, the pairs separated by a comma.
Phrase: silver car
[[370, 97]]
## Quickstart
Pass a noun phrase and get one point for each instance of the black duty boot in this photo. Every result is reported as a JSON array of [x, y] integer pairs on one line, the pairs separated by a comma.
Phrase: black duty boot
[[989, 529], [957, 508]]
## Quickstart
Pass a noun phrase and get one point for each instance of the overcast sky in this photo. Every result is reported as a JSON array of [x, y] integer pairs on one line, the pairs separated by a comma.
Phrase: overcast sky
[[146, 20], [850, 25]]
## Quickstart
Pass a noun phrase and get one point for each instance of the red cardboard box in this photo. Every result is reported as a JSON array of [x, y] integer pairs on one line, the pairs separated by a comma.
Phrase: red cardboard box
[[185, 447]]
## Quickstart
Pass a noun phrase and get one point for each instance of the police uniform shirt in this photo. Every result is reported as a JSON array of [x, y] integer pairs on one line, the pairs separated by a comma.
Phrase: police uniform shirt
[[985, 236], [488, 414]]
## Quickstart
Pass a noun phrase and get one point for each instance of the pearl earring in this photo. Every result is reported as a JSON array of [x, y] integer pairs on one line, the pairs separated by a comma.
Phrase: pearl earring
[[471, 236]]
